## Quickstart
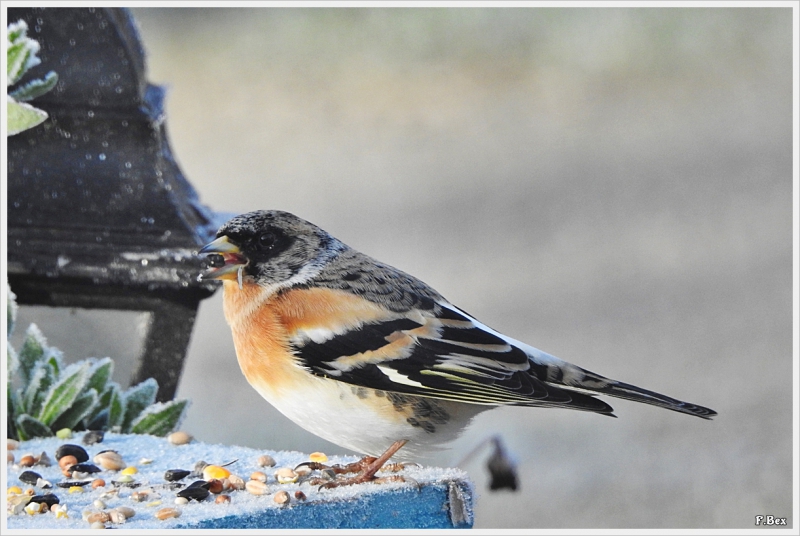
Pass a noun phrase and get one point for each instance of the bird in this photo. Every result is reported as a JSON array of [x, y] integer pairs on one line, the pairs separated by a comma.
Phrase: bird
[[371, 358]]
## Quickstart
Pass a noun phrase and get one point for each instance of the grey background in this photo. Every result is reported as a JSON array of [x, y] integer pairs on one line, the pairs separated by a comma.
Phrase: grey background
[[612, 186]]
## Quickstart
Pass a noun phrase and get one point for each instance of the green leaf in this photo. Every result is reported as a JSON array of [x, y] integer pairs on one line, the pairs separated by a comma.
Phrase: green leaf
[[38, 386], [64, 393], [16, 31], [28, 428], [32, 351], [99, 374], [17, 57], [82, 406], [11, 307], [137, 398], [116, 407], [13, 361], [161, 418], [55, 359], [12, 405], [21, 117], [21, 53], [35, 88]]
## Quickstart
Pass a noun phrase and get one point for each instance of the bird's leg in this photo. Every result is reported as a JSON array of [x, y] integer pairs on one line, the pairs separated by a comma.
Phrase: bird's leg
[[366, 467]]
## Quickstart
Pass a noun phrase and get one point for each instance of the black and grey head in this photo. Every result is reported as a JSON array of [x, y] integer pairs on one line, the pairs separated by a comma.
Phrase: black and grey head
[[271, 246]]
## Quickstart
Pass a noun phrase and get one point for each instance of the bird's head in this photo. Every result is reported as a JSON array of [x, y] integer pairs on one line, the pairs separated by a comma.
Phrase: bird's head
[[268, 247]]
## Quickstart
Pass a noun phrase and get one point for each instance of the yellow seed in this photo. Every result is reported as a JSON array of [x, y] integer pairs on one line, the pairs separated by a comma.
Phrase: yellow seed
[[153, 503], [318, 457], [76, 489], [14, 490], [61, 511], [64, 433], [215, 472], [129, 470]]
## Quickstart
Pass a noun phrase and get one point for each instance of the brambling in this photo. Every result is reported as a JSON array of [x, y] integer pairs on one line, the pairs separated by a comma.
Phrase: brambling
[[369, 357]]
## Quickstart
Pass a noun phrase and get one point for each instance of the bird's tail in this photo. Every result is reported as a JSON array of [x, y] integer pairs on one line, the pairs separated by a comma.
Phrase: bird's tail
[[571, 377]]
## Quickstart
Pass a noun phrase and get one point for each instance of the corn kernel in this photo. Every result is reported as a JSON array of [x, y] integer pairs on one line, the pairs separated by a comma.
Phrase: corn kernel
[[215, 472], [14, 490], [318, 457], [129, 470], [76, 489]]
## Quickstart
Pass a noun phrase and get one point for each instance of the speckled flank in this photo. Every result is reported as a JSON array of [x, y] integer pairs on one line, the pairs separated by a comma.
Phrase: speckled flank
[[424, 413]]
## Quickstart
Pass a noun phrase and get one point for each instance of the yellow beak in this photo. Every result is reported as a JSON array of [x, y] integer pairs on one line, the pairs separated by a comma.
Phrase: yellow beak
[[226, 259]]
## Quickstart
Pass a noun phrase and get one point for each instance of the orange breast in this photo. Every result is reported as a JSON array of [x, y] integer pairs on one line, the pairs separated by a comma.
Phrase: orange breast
[[262, 324]]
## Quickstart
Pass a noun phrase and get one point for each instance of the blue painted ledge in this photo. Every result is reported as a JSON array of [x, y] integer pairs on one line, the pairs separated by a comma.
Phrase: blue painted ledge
[[436, 498]]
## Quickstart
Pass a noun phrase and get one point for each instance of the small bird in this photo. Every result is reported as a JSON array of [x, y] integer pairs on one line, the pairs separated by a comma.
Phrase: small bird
[[371, 358]]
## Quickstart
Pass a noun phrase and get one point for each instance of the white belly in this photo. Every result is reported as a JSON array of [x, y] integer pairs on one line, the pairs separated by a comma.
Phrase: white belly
[[368, 421]]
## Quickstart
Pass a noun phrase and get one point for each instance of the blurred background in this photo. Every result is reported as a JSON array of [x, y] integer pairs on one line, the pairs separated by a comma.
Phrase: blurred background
[[613, 186]]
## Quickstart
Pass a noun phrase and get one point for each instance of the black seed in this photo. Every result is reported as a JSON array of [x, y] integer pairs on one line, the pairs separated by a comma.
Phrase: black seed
[[194, 493], [199, 484], [93, 436], [70, 483], [173, 475], [74, 450], [49, 499], [89, 468], [30, 477]]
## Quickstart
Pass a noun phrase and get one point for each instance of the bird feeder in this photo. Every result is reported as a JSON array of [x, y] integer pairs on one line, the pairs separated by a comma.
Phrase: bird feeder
[[99, 213]]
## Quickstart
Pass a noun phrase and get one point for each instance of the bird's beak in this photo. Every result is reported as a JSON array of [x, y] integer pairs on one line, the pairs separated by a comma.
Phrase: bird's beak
[[225, 259]]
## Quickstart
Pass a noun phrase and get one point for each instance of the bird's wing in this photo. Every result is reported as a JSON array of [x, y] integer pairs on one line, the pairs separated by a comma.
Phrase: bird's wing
[[445, 353], [440, 353]]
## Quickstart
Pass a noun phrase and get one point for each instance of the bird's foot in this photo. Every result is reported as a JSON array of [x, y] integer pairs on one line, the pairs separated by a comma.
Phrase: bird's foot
[[365, 467]]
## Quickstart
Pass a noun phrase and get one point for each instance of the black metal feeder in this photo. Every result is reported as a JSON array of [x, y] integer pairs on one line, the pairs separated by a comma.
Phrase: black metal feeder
[[99, 214]]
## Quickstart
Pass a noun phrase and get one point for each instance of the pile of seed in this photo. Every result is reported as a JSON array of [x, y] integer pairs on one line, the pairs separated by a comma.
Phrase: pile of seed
[[50, 480]]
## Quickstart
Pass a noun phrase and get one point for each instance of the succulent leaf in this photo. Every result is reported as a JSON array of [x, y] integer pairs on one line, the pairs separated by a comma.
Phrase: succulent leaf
[[21, 116], [82, 406], [11, 307], [29, 427], [35, 88], [64, 392], [32, 351], [160, 418], [137, 398], [99, 374]]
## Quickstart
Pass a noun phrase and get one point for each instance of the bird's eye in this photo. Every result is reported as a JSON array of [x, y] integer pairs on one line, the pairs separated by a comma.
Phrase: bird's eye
[[267, 241]]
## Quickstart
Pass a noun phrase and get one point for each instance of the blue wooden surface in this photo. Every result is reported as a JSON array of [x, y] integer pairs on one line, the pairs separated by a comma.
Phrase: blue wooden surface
[[430, 498]]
